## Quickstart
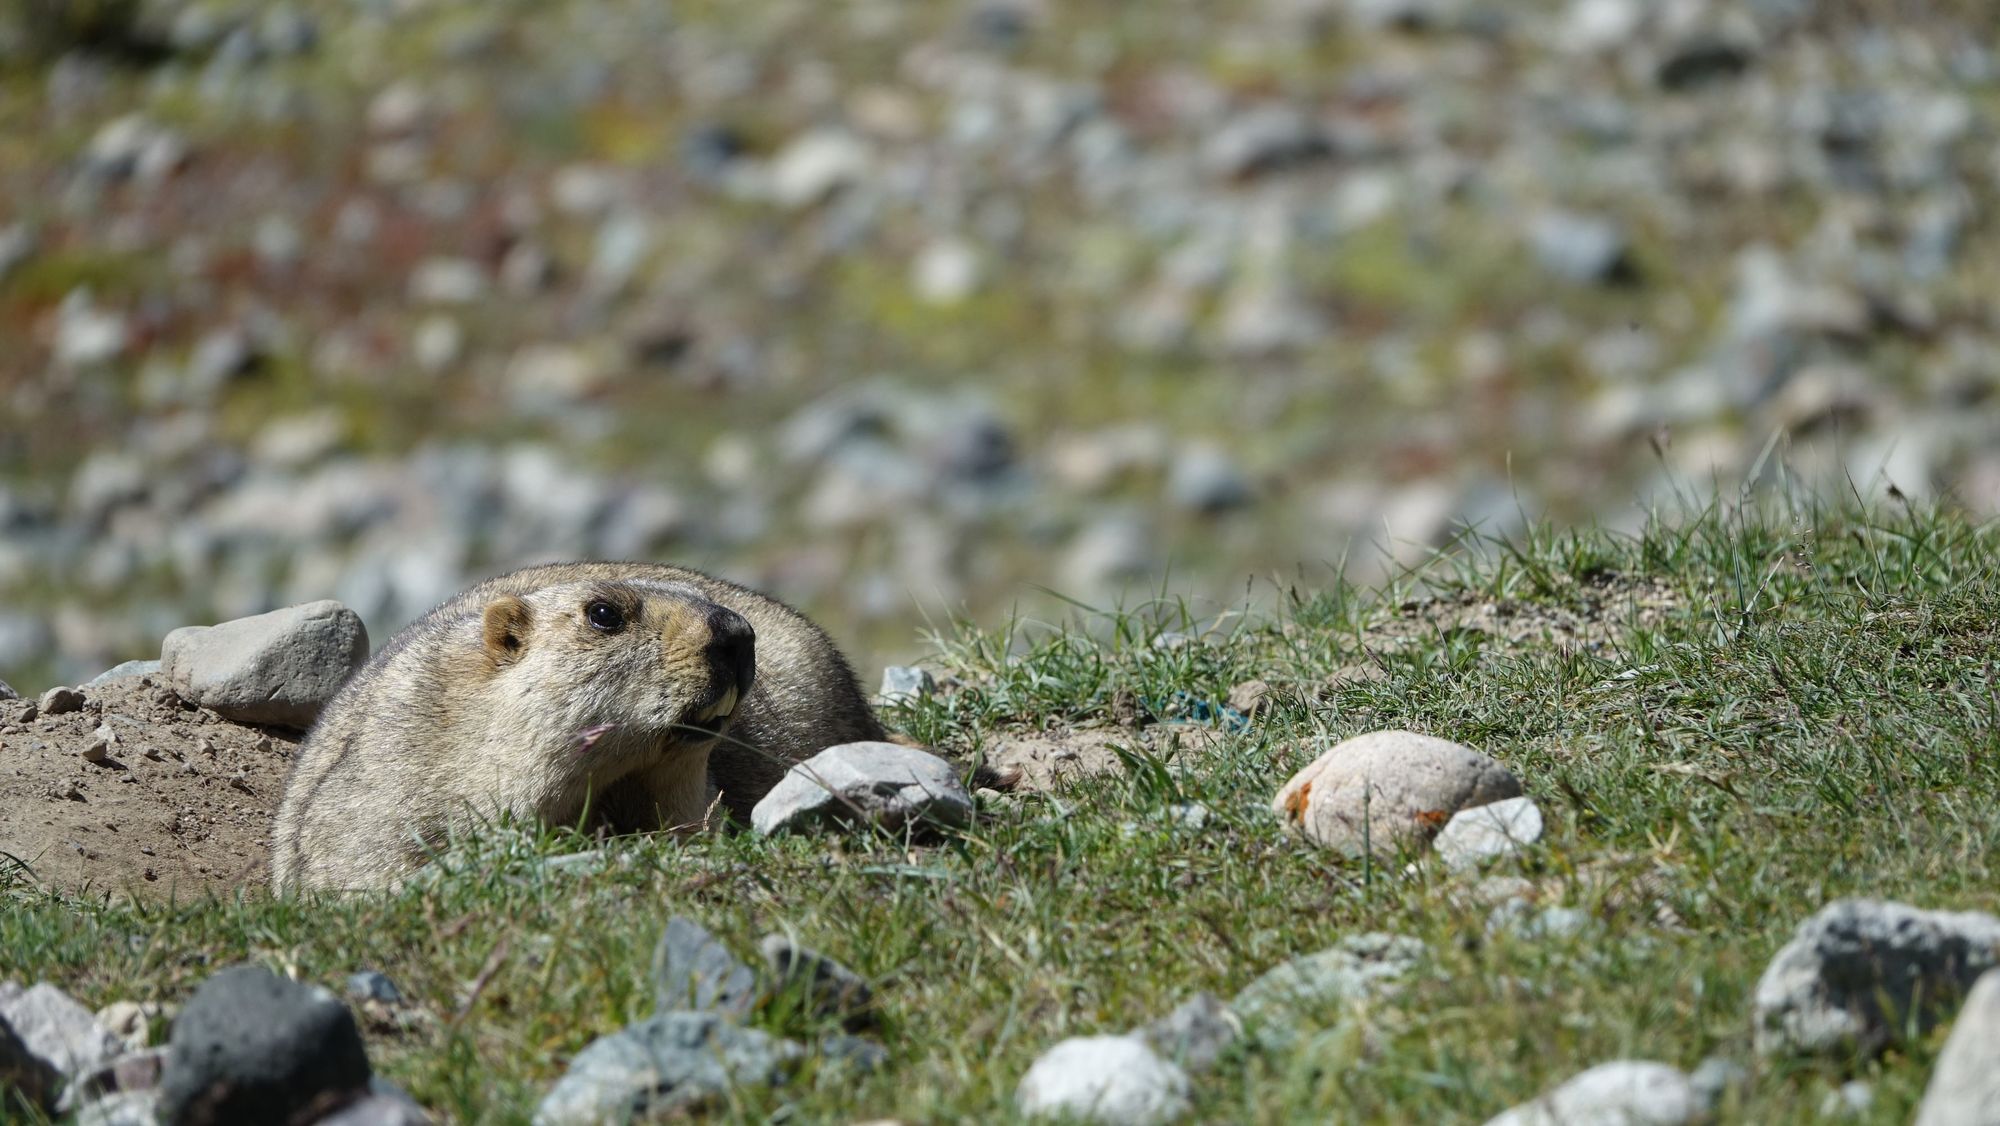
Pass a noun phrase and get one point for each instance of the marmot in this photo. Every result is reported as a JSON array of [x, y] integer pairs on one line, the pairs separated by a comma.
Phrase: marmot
[[638, 693]]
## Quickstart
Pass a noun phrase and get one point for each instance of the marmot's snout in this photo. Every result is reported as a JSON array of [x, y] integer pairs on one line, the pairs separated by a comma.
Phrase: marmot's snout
[[730, 653]]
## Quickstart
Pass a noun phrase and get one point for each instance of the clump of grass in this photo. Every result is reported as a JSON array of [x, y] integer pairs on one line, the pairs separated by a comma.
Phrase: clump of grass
[[1807, 710]]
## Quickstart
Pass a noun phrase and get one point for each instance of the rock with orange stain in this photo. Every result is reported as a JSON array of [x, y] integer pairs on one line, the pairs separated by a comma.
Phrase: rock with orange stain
[[1389, 790]]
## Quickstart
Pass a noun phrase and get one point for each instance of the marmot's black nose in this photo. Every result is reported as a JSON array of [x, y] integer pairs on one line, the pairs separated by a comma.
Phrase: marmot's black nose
[[732, 651]]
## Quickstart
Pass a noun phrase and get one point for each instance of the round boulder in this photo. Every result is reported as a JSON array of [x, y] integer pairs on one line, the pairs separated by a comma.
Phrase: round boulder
[[1388, 790]]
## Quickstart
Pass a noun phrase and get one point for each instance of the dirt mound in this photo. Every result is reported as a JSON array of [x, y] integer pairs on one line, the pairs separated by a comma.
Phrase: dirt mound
[[179, 805]]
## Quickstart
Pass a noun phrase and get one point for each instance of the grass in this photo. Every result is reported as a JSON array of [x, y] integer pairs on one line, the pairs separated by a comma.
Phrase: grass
[[1728, 720]]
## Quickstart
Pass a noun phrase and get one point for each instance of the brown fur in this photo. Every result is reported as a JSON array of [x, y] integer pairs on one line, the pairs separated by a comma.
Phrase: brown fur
[[482, 709]]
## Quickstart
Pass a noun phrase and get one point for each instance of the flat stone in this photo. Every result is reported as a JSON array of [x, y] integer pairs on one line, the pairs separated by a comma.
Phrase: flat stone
[[1488, 832], [278, 668], [694, 971], [670, 1062], [884, 785], [1115, 1080], [1619, 1093], [1861, 972], [1299, 995], [1389, 790], [1195, 1034], [123, 671], [254, 1047], [57, 1029], [1965, 1085], [826, 987]]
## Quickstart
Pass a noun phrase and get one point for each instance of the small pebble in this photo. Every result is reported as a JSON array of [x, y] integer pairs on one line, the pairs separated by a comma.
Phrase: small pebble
[[59, 700]]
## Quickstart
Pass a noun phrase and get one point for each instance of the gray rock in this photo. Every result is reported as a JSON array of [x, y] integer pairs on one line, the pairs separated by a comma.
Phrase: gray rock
[[58, 700], [902, 684], [57, 1029], [7, 691], [1861, 973], [376, 1110], [884, 785], [122, 1108], [1619, 1093], [1488, 832], [1292, 998], [18, 243], [124, 670], [278, 668], [23, 1071], [1115, 1080], [823, 985], [693, 970], [1387, 790], [373, 985], [670, 1062], [1205, 479], [129, 1084], [1585, 249], [1195, 1034], [253, 1047], [1852, 1099], [848, 1057], [1965, 1085], [1263, 139], [1715, 1076], [86, 335]]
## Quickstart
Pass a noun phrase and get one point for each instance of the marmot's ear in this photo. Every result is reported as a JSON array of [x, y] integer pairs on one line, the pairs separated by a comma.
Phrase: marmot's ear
[[506, 628]]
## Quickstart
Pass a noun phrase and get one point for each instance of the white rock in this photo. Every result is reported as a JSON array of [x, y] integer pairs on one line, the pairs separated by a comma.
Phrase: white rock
[[1965, 1086], [1387, 790], [1623, 1093], [87, 335], [1115, 1080], [1620, 1093], [945, 272], [885, 785], [816, 165], [1487, 832], [58, 1029], [1861, 972], [447, 281]]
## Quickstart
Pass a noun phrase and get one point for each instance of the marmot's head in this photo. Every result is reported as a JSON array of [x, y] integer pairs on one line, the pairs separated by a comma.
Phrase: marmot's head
[[624, 666]]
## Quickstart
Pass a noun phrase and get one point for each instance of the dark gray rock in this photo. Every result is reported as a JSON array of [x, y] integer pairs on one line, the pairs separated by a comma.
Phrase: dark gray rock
[[278, 668], [123, 671], [1195, 1034], [22, 1071], [58, 1029], [1862, 972], [884, 785], [1264, 139], [253, 1047], [1965, 1086], [373, 985], [823, 985], [7, 691], [670, 1062], [693, 970]]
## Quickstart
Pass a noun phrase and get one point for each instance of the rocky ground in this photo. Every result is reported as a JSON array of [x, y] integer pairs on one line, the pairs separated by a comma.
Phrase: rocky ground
[[902, 309]]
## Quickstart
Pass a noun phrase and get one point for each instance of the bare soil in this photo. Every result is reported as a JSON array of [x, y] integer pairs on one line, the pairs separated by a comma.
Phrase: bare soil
[[180, 807]]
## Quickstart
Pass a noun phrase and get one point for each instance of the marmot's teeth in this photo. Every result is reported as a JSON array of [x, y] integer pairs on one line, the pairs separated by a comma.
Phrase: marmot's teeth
[[721, 707]]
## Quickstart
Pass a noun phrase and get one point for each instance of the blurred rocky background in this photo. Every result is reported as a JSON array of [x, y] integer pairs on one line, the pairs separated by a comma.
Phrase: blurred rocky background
[[909, 310]]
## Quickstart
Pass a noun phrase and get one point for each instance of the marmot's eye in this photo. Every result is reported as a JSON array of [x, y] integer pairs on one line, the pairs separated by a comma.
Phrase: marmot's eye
[[605, 616]]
